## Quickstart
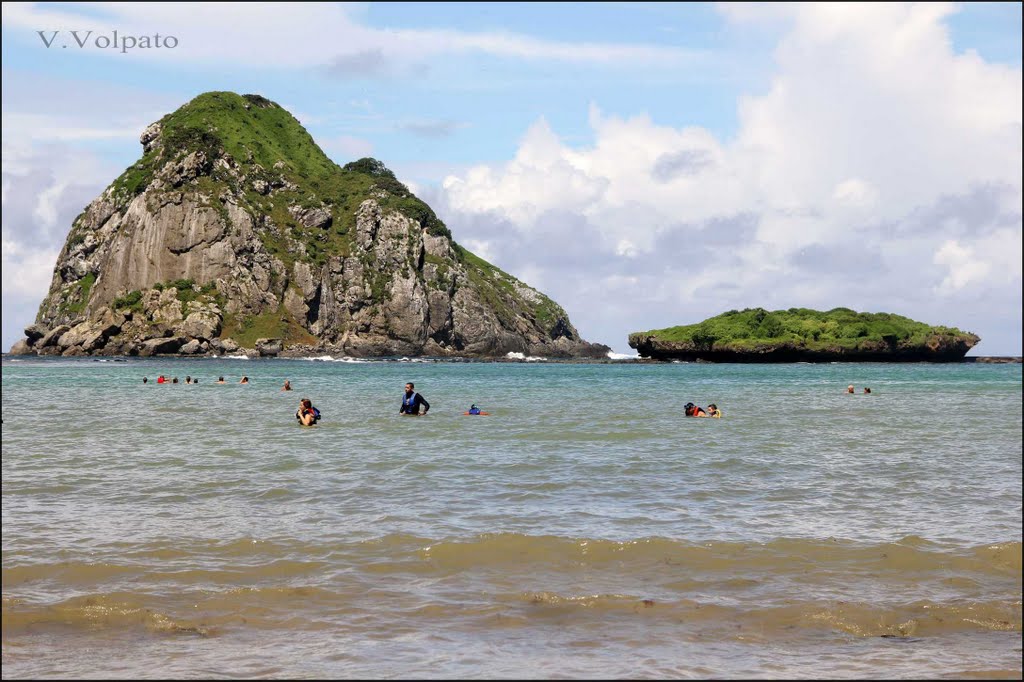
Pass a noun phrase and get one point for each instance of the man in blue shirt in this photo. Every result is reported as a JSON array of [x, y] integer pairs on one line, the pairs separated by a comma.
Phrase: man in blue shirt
[[412, 400]]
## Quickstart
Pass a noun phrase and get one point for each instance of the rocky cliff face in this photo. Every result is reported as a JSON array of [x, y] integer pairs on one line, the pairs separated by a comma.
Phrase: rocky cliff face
[[934, 350], [234, 230]]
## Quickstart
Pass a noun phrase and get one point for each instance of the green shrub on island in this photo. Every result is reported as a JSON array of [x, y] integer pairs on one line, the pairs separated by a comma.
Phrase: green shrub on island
[[839, 330]]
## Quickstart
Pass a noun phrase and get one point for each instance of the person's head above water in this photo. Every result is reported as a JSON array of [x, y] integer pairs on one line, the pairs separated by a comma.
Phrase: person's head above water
[[145, 380], [849, 389]]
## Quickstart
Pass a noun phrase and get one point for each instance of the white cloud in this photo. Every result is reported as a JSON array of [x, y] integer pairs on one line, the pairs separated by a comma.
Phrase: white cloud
[[855, 193], [45, 186], [26, 272], [963, 266], [304, 34], [878, 170]]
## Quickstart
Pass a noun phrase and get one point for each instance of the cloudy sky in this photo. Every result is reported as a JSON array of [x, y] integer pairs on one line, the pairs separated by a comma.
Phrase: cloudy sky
[[645, 165]]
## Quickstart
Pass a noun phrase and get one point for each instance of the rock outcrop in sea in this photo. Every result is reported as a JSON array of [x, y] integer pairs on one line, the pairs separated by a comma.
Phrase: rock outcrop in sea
[[803, 335], [234, 231]]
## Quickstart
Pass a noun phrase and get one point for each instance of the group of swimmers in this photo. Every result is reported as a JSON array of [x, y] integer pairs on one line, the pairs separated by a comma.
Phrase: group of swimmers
[[413, 403], [849, 389], [691, 410], [189, 380]]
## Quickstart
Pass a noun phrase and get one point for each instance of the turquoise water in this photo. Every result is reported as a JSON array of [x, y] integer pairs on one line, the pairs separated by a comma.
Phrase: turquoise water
[[583, 529]]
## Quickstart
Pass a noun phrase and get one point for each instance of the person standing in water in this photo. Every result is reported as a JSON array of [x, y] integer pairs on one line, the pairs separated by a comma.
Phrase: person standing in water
[[412, 401], [287, 385], [307, 414]]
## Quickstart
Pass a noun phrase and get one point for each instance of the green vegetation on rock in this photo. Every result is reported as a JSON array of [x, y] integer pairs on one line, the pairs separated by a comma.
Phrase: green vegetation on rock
[[840, 330], [273, 324], [839, 327], [78, 302], [269, 145]]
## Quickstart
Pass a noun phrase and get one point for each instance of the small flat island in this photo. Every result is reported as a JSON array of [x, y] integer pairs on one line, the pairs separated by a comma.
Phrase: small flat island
[[804, 335]]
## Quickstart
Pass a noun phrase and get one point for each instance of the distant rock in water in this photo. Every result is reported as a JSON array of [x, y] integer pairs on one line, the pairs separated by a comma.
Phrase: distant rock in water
[[234, 231], [802, 335]]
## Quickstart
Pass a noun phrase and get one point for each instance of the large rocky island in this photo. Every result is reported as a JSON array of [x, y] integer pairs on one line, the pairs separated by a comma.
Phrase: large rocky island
[[803, 335], [234, 232]]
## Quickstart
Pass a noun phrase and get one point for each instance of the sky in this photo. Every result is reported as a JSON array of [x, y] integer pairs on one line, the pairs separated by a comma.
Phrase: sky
[[645, 165]]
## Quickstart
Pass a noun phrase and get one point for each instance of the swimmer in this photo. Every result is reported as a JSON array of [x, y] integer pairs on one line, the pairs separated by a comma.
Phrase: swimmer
[[307, 415], [867, 390], [244, 380], [691, 410], [713, 411], [220, 380], [145, 380], [287, 385]]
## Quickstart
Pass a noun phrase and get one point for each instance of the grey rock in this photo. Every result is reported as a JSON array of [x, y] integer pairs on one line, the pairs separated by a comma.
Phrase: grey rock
[[50, 338], [34, 332], [203, 322], [269, 347], [161, 346], [311, 217], [191, 348], [86, 335], [21, 347], [150, 136]]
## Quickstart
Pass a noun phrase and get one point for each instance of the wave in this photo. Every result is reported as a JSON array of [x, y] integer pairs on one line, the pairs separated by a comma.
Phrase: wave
[[328, 358], [524, 358], [305, 607], [908, 561], [906, 555], [623, 356], [236, 357]]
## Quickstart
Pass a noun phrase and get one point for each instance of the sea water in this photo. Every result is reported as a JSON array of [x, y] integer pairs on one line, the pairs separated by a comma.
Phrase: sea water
[[585, 528]]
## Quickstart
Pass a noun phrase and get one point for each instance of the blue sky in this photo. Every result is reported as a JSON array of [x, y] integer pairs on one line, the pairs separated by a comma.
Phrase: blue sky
[[645, 164]]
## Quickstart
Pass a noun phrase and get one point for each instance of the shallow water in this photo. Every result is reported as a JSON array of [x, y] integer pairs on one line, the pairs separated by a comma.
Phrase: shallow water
[[584, 529]]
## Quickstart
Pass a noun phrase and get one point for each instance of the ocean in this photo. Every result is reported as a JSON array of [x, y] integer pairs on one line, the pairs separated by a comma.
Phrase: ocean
[[584, 529]]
